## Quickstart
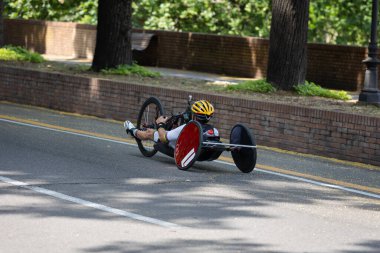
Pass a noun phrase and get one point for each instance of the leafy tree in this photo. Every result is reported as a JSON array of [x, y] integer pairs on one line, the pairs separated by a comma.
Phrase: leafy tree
[[114, 32], [288, 43], [340, 21], [244, 17], [82, 11], [337, 22]]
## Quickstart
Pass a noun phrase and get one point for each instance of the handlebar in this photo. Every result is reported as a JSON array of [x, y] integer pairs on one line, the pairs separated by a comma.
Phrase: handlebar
[[190, 99], [180, 118]]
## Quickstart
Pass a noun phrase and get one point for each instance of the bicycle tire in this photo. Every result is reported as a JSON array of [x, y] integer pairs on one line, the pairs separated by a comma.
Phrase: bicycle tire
[[244, 158], [150, 110]]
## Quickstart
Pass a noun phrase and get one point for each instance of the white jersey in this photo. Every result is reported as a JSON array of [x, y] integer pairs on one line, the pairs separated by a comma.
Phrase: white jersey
[[173, 135]]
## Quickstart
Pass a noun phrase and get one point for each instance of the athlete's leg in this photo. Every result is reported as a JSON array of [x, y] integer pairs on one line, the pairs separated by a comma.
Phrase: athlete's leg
[[172, 135], [147, 134]]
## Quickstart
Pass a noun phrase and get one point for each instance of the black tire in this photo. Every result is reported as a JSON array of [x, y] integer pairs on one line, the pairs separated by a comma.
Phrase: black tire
[[244, 158], [149, 112]]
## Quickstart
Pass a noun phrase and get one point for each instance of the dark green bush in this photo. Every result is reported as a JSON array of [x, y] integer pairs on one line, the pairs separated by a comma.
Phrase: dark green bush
[[260, 86], [129, 70], [312, 89], [13, 53]]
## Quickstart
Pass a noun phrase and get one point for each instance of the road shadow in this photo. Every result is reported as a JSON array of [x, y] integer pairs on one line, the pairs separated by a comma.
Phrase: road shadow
[[371, 246], [209, 196], [186, 245]]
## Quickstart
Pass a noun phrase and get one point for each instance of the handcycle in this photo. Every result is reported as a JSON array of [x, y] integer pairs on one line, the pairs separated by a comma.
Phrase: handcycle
[[192, 144]]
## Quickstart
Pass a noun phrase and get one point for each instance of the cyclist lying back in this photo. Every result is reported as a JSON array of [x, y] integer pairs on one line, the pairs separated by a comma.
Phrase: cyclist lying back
[[202, 111]]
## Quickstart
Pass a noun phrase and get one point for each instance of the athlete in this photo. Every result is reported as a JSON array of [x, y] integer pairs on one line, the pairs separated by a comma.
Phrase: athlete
[[202, 111]]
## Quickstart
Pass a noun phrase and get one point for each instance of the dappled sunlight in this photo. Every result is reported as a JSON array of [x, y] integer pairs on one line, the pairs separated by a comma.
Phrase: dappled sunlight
[[94, 89], [243, 199], [7, 173], [259, 49], [144, 181], [42, 207], [84, 41], [217, 207], [155, 187], [34, 38]]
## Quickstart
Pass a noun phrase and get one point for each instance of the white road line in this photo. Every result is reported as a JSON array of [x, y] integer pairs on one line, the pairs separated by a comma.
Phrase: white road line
[[367, 194], [89, 203]]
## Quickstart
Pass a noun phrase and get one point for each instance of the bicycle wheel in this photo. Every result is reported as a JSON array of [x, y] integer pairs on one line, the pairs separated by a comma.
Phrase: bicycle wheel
[[244, 158], [149, 112]]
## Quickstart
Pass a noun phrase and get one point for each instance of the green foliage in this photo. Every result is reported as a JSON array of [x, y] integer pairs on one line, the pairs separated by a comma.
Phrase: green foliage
[[12, 53], [311, 89], [82, 11], [79, 68], [238, 17], [336, 22], [133, 69], [260, 86], [340, 22]]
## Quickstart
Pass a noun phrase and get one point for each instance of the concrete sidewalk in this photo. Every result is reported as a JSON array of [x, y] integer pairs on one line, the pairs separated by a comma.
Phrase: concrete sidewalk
[[164, 71], [210, 77]]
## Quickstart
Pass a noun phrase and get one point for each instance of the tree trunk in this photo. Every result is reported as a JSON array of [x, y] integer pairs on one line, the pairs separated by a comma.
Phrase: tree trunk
[[1, 23], [114, 32], [288, 43]]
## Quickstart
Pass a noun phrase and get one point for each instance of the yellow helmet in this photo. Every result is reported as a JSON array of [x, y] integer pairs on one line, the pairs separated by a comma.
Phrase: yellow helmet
[[203, 110]]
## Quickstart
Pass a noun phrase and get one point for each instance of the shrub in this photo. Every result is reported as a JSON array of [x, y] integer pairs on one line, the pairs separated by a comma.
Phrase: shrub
[[12, 53], [312, 89], [129, 70], [260, 86]]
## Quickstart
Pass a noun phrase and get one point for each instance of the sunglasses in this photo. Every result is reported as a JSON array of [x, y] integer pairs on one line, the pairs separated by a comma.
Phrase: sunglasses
[[203, 117]]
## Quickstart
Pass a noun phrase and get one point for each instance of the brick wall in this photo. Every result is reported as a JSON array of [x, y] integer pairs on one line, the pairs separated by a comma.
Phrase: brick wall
[[229, 55], [332, 134], [55, 38], [338, 67], [331, 66]]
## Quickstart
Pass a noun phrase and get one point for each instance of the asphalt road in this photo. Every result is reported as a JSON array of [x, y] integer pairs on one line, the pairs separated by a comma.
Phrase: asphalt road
[[70, 183]]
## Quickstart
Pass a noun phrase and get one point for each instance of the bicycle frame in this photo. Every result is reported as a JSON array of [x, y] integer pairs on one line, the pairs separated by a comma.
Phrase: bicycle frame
[[179, 119]]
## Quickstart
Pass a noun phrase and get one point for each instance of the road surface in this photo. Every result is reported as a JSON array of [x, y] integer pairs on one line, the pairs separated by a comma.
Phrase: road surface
[[70, 183]]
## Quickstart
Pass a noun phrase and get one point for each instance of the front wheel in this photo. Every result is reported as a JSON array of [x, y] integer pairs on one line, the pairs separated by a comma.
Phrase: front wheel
[[149, 112]]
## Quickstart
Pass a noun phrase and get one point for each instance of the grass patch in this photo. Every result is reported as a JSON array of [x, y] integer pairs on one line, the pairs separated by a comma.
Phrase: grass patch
[[133, 69], [260, 86], [80, 68], [312, 89], [12, 53]]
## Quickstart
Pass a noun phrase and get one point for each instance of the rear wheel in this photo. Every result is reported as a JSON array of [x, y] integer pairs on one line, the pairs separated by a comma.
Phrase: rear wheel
[[149, 112], [244, 158]]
